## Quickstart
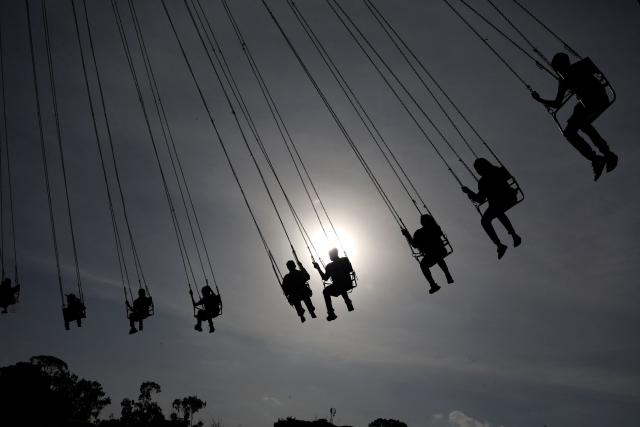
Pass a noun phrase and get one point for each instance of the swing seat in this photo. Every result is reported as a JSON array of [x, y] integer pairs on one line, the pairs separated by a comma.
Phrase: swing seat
[[75, 315], [141, 316], [209, 314], [418, 255], [515, 198], [352, 284], [587, 67]]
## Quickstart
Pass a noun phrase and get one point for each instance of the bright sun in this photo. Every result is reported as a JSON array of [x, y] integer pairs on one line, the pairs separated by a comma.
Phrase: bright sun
[[324, 245]]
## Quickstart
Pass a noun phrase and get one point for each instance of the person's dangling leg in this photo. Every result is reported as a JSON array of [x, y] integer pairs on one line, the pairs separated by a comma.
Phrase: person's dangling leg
[[326, 292], [347, 300], [310, 307], [425, 266], [297, 304], [132, 324], [445, 269], [577, 121], [504, 219], [600, 143], [211, 328], [487, 217], [140, 325], [199, 318]]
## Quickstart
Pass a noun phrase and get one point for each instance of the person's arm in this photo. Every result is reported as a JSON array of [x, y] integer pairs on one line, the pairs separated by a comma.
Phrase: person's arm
[[193, 301], [323, 275], [478, 197], [304, 272], [552, 103], [410, 239]]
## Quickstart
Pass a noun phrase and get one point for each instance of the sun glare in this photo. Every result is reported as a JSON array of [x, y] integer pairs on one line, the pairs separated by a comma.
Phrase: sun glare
[[323, 245]]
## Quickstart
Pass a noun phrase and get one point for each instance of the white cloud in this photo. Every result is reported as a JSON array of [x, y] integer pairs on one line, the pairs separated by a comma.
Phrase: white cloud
[[458, 419], [271, 400]]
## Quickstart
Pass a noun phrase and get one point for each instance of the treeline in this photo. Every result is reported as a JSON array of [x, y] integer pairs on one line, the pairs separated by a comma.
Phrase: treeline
[[43, 392]]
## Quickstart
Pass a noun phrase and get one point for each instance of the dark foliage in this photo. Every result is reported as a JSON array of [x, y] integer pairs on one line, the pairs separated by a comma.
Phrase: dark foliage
[[381, 422], [44, 392]]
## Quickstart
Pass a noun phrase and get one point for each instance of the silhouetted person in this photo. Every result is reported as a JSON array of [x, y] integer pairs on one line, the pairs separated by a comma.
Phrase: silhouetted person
[[494, 188], [140, 310], [339, 271], [428, 240], [296, 288], [209, 304], [593, 99], [74, 311], [7, 294]]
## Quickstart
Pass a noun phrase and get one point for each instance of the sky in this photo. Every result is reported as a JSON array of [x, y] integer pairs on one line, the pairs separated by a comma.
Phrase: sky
[[547, 335]]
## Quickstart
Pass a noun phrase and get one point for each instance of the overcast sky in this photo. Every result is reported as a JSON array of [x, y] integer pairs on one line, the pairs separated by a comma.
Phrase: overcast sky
[[546, 335]]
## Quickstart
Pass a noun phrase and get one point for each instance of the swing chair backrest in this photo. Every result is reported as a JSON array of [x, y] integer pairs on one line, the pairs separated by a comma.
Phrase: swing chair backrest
[[149, 312], [515, 187], [82, 312], [587, 66], [445, 243], [216, 313], [354, 282]]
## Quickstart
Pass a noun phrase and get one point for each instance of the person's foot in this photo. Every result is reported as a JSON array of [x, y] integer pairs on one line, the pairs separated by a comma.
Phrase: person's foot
[[501, 250], [517, 240], [350, 306], [450, 280], [434, 289], [66, 326], [211, 329], [313, 314], [612, 161], [302, 319], [598, 164], [132, 331], [4, 311], [198, 328], [331, 316], [140, 328]]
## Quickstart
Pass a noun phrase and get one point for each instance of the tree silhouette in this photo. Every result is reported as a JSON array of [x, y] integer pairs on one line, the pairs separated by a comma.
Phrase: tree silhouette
[[44, 392], [145, 411], [381, 422], [186, 408]]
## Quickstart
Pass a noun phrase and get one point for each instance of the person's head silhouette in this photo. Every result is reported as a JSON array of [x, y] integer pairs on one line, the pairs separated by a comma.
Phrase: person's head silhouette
[[333, 254], [561, 62], [426, 220], [291, 265], [206, 291], [141, 293], [482, 166]]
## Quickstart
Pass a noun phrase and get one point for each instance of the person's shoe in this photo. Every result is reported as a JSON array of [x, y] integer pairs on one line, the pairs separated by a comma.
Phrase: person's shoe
[[450, 280], [612, 161], [302, 319], [501, 250], [313, 314], [433, 289], [350, 306], [598, 164], [132, 331], [212, 329], [331, 316], [517, 240], [198, 328], [66, 326]]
